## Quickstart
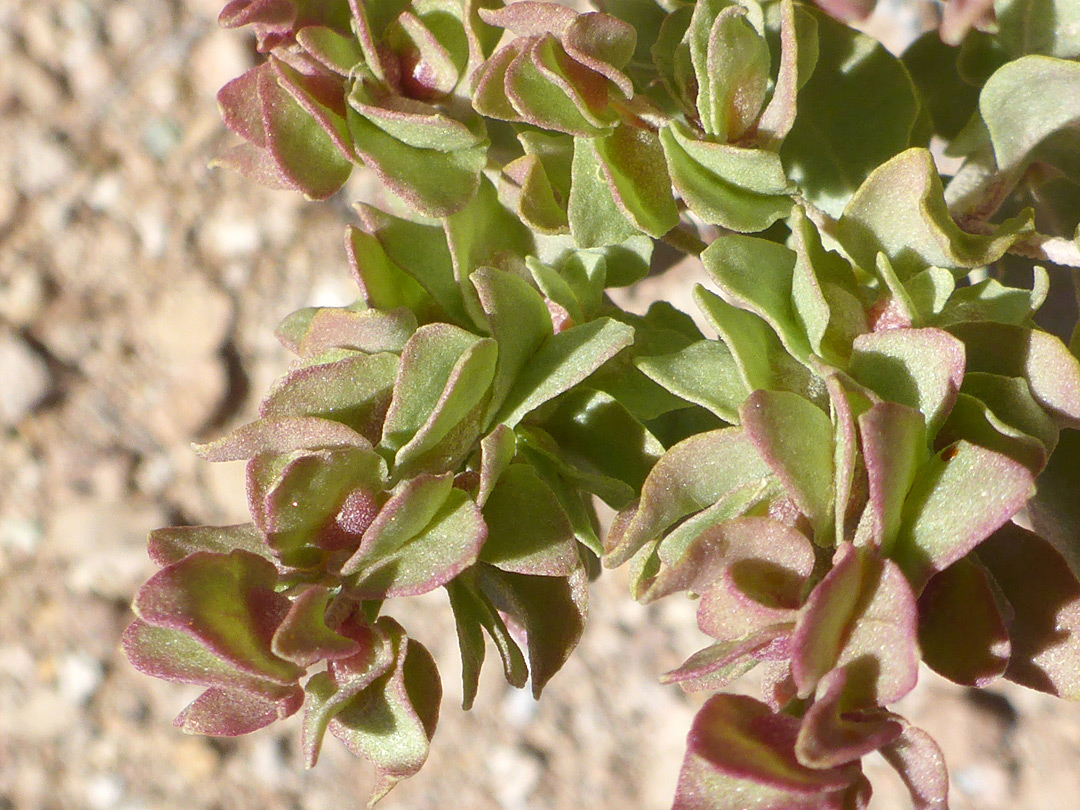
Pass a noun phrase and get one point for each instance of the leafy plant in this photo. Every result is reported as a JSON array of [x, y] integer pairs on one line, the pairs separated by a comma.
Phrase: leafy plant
[[871, 464]]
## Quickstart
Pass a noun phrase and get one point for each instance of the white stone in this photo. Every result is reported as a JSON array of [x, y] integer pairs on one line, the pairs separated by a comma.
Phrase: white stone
[[78, 677], [24, 379]]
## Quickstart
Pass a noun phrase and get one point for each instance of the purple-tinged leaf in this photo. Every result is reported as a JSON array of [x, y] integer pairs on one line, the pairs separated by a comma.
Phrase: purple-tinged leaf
[[278, 436], [779, 114], [427, 69], [240, 108], [632, 162], [306, 154], [529, 18], [255, 163], [332, 50], [497, 450], [561, 362], [861, 616], [972, 419], [1055, 510], [961, 629], [354, 391], [278, 15], [303, 637], [223, 712], [527, 530], [894, 447], [170, 545], [409, 510], [489, 96], [715, 667], [740, 754], [795, 438], [918, 760], [830, 735], [846, 404], [525, 185], [920, 368], [444, 548], [344, 680], [322, 98], [174, 655], [1044, 595], [604, 44], [692, 475], [735, 76], [228, 603], [520, 323], [959, 498], [393, 726], [900, 211], [371, 331], [474, 613], [1051, 370], [550, 611]]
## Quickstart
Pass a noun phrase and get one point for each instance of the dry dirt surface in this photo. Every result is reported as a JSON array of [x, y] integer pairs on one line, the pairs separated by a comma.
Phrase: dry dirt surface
[[138, 295]]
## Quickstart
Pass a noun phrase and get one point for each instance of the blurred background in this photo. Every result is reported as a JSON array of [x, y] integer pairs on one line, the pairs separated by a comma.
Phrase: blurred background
[[138, 295]]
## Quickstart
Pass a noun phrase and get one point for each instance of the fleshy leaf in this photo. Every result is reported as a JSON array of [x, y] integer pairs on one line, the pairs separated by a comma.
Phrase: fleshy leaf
[[959, 498], [550, 610], [371, 331], [1044, 595], [170, 545], [861, 616], [741, 754], [228, 603], [632, 162], [281, 436], [795, 438], [829, 736], [596, 220], [303, 637], [919, 368], [1051, 370], [223, 712], [560, 363], [894, 446], [691, 476], [915, 230], [961, 629], [528, 531], [1055, 509], [704, 373], [714, 667], [918, 760]]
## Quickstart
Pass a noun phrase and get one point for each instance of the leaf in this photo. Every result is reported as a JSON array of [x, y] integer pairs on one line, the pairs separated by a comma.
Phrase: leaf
[[741, 754], [741, 189], [520, 323], [798, 49], [858, 109], [227, 603], [715, 667], [894, 446], [829, 737], [795, 438], [172, 544], [1044, 595], [756, 275], [959, 498], [918, 760], [223, 712], [1055, 510], [704, 373], [632, 162], [527, 530], [735, 77], [370, 331], [691, 476], [962, 632], [383, 284], [550, 610], [919, 368], [948, 99], [444, 548], [303, 636], [1038, 26], [972, 420], [596, 220], [1051, 371], [861, 616], [562, 362], [444, 375], [1030, 109], [914, 228], [265, 436]]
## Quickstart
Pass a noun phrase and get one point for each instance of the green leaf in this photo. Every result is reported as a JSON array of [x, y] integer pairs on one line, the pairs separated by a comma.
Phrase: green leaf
[[959, 498], [226, 602], [704, 373], [858, 109], [893, 446], [949, 99], [961, 629], [735, 77], [1038, 27], [920, 368], [632, 162], [795, 438], [741, 189], [596, 220], [913, 226], [691, 476], [973, 420], [520, 323], [528, 531], [562, 362], [551, 610], [169, 545], [303, 636]]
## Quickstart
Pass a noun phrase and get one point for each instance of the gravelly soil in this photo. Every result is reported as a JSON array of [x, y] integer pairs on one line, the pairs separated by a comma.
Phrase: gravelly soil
[[138, 293]]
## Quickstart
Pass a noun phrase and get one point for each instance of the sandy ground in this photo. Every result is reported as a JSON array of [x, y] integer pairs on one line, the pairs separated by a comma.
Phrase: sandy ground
[[138, 293]]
